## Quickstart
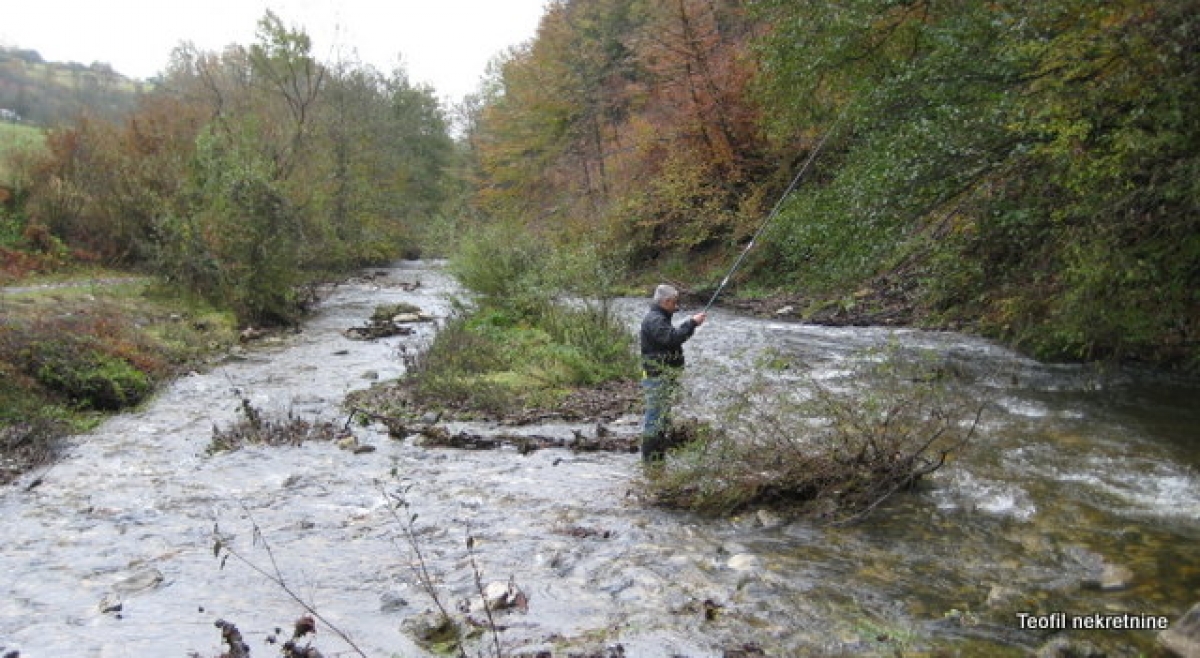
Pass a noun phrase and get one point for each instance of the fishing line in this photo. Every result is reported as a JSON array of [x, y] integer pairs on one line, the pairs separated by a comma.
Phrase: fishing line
[[778, 205]]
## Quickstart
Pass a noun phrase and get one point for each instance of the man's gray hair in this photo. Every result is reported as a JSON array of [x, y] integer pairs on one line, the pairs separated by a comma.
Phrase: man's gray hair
[[665, 292]]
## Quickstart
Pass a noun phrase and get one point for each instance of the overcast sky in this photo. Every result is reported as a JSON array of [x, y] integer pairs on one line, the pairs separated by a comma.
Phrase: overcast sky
[[446, 43]]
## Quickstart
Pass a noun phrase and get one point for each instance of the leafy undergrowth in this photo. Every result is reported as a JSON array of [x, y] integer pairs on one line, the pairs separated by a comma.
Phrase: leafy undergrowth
[[73, 351]]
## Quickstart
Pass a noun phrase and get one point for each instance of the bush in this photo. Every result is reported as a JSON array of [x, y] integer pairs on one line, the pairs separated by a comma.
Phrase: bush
[[451, 369], [524, 342], [100, 358], [76, 367], [504, 267], [835, 454]]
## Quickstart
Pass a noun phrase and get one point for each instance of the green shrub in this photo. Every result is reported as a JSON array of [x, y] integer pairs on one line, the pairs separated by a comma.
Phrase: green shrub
[[504, 267], [596, 345], [540, 326], [494, 360], [76, 367]]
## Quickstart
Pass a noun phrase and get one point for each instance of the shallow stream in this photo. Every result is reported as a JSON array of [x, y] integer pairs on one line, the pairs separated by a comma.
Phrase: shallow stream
[[1076, 475]]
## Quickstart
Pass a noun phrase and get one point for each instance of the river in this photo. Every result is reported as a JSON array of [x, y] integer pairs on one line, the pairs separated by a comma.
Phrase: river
[[1079, 496]]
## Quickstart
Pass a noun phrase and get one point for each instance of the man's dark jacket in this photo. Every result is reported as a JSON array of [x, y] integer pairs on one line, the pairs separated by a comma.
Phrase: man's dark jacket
[[662, 343]]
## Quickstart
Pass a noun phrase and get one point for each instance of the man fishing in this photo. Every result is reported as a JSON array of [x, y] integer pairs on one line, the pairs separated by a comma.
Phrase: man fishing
[[662, 364]]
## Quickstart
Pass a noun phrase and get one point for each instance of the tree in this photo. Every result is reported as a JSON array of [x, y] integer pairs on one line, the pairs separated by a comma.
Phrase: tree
[[282, 64], [624, 121], [247, 171]]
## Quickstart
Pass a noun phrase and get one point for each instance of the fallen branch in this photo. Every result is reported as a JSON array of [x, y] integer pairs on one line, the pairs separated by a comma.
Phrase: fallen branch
[[437, 436]]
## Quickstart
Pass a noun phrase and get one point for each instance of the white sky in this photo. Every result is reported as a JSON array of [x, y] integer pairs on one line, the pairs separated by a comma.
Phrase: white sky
[[446, 43]]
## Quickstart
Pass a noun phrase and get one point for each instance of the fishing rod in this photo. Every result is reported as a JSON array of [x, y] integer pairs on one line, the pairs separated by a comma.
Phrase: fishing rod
[[775, 211]]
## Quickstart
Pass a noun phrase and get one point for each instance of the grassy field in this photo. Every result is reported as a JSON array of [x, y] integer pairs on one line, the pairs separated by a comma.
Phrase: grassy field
[[15, 138]]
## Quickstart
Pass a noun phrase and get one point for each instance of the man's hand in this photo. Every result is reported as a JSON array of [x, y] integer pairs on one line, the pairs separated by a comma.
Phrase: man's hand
[[699, 318]]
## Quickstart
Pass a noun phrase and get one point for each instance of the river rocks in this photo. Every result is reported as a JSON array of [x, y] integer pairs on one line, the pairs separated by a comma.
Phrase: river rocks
[[1183, 637], [392, 602], [1100, 573], [500, 595], [141, 581], [111, 603], [1063, 647], [768, 519], [431, 417], [1000, 597], [743, 562], [393, 320], [1111, 578], [251, 333]]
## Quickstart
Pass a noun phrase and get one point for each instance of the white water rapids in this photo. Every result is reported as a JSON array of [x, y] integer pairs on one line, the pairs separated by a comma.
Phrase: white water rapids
[[1072, 470]]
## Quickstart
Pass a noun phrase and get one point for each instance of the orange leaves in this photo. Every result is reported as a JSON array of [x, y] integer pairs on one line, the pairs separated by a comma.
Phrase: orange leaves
[[627, 116]]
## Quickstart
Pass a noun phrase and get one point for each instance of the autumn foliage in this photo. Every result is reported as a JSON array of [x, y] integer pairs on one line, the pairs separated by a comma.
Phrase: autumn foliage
[[245, 173], [628, 119], [1023, 169]]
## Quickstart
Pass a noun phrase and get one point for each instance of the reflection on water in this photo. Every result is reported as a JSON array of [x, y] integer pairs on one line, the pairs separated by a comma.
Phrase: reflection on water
[[1076, 474]]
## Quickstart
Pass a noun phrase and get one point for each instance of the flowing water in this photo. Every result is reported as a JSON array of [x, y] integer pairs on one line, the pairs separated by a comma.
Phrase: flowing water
[[1073, 470]]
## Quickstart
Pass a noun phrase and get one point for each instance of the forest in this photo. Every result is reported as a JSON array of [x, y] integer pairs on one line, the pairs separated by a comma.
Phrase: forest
[[240, 176], [1023, 171]]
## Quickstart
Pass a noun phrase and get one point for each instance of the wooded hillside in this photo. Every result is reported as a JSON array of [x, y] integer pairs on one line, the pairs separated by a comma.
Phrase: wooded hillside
[[49, 94], [1024, 170], [1027, 169]]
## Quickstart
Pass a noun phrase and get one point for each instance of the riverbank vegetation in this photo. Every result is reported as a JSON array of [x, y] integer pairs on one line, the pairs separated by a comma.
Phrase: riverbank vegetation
[[241, 175], [70, 353], [538, 326], [1022, 171], [1002, 168], [232, 183]]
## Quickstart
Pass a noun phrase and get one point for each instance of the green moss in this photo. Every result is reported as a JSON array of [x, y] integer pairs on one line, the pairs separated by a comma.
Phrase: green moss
[[89, 378]]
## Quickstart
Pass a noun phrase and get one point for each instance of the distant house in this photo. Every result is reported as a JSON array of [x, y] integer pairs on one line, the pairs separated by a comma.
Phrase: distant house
[[8, 115]]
